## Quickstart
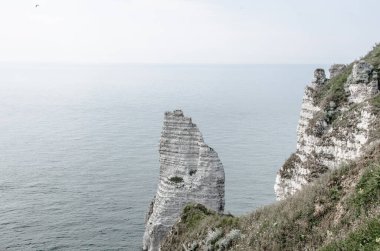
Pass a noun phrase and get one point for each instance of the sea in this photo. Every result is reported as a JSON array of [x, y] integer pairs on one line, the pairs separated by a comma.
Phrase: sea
[[79, 159]]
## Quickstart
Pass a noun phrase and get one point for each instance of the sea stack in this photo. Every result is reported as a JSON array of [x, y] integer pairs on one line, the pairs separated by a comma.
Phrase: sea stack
[[331, 130], [190, 171]]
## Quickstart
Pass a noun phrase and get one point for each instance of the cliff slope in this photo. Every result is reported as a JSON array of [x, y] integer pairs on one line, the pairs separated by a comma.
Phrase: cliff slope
[[190, 171], [329, 189], [335, 123]]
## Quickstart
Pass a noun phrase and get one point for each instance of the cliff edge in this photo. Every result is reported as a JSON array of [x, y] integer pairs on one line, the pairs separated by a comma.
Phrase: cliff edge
[[190, 171], [335, 124], [329, 189]]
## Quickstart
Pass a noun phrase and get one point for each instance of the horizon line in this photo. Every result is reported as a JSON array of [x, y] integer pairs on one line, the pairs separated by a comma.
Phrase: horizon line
[[149, 63]]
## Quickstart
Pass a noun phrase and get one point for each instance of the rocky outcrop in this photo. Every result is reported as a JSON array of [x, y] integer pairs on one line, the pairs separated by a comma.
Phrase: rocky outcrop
[[333, 127], [336, 69], [362, 83], [190, 171]]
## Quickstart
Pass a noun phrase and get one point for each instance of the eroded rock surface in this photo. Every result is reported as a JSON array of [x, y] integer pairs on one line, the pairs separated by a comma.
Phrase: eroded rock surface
[[336, 69], [329, 134], [363, 82], [190, 171]]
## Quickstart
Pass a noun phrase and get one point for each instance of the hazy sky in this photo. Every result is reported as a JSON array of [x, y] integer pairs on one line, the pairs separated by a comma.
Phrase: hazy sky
[[188, 31]]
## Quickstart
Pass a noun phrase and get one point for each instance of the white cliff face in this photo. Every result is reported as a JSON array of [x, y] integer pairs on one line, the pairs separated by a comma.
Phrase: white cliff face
[[363, 82], [190, 171], [322, 144]]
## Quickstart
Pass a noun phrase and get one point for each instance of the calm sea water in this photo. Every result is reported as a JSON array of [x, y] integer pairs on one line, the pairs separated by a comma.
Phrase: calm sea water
[[79, 144]]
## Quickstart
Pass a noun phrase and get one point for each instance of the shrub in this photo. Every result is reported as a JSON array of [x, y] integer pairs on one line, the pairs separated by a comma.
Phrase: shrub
[[287, 169], [193, 213], [333, 90]]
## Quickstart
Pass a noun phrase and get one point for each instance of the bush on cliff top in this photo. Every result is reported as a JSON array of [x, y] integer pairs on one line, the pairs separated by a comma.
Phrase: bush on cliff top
[[333, 90], [196, 223]]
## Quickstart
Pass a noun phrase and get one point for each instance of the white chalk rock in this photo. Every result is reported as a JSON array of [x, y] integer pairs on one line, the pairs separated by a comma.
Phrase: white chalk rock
[[322, 146], [363, 82], [190, 171]]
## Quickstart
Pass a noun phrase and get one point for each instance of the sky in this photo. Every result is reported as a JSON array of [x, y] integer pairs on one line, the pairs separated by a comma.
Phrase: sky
[[188, 31]]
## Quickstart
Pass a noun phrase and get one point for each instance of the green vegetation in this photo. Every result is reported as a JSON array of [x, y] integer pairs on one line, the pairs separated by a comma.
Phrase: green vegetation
[[367, 192], [333, 90], [373, 57], [192, 214], [375, 132], [375, 102], [287, 169], [367, 237], [176, 179], [328, 96], [296, 223], [198, 221]]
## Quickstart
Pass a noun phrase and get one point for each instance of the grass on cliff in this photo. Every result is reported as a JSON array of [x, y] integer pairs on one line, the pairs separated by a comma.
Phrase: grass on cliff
[[196, 220], [333, 90], [367, 237], [339, 211], [297, 222], [331, 93], [194, 213], [375, 102], [334, 205], [367, 191], [287, 169], [373, 57]]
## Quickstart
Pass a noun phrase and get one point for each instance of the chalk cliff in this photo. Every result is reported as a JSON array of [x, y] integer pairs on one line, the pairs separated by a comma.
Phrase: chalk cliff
[[190, 171], [334, 126], [339, 208]]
